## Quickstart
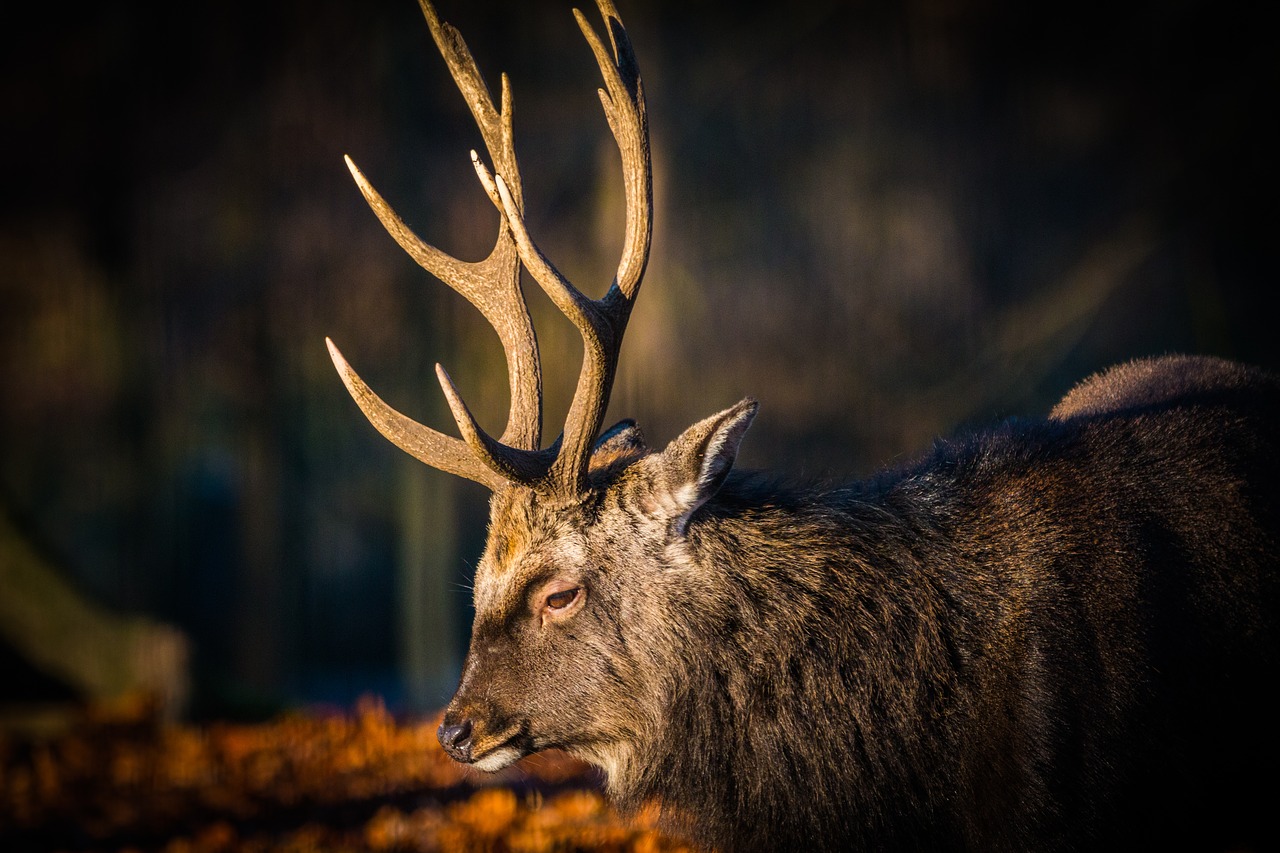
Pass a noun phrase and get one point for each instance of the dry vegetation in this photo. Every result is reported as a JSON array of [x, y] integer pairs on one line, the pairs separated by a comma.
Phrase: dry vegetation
[[304, 781]]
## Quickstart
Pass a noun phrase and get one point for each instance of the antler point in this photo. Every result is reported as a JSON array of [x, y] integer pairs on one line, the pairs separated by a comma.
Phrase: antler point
[[338, 361], [356, 174]]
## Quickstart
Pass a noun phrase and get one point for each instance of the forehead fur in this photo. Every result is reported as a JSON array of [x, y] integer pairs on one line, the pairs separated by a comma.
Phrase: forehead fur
[[529, 535], [533, 533]]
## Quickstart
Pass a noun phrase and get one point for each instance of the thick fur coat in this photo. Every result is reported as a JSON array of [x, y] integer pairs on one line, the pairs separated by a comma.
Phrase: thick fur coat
[[1057, 634]]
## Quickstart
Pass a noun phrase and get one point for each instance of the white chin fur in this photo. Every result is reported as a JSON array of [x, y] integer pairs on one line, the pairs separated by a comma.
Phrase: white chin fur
[[496, 760]]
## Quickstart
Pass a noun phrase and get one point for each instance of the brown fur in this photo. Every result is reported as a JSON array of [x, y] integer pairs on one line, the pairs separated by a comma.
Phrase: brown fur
[[1056, 634]]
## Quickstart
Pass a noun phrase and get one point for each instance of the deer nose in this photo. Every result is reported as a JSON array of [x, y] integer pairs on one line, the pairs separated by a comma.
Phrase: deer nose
[[456, 740]]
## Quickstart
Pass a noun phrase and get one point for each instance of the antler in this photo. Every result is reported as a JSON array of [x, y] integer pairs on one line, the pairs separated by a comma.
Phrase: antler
[[493, 285], [601, 322]]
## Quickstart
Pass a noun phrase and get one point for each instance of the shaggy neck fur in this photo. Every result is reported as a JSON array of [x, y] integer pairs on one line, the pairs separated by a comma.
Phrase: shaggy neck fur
[[799, 664]]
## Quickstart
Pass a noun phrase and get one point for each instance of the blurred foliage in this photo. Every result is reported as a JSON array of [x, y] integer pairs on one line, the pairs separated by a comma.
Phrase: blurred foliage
[[339, 781], [883, 219]]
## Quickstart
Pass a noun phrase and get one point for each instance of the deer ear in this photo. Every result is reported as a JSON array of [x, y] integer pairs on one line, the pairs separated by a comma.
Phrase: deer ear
[[696, 463], [620, 445], [623, 436]]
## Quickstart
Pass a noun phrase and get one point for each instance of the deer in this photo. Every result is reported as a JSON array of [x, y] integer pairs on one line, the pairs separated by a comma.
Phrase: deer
[[1053, 633]]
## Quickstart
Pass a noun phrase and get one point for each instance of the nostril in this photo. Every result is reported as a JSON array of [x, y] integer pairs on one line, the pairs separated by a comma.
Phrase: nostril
[[455, 736]]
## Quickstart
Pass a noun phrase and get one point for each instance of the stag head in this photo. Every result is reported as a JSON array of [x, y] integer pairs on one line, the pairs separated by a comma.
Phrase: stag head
[[583, 557]]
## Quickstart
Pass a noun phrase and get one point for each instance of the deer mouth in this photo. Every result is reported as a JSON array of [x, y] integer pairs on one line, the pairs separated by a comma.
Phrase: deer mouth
[[502, 750]]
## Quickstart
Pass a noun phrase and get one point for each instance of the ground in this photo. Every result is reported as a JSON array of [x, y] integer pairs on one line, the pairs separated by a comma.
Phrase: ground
[[125, 780]]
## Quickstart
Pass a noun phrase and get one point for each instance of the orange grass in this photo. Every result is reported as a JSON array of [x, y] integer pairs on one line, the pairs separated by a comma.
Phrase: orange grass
[[302, 782]]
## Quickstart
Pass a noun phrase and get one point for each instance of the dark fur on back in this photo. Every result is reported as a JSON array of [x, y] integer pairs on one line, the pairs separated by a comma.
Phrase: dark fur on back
[[1056, 634]]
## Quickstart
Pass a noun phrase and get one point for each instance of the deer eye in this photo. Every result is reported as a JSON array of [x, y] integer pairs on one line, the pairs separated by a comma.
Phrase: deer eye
[[561, 599]]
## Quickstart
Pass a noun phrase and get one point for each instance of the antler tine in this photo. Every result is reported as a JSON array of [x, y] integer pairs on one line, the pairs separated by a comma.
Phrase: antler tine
[[624, 108], [601, 322], [514, 467], [435, 448], [491, 285], [494, 124]]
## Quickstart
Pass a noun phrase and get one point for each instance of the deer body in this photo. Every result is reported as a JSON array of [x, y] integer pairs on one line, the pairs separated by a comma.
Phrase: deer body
[[1057, 634], [1052, 635]]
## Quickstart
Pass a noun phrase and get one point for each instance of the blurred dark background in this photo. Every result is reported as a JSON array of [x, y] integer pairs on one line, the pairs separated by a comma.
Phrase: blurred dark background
[[884, 220]]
